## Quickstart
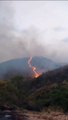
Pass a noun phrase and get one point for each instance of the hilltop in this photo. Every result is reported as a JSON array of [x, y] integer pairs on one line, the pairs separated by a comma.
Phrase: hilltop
[[20, 66]]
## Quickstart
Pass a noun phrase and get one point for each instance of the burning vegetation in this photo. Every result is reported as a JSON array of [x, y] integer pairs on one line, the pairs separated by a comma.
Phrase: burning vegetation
[[36, 74]]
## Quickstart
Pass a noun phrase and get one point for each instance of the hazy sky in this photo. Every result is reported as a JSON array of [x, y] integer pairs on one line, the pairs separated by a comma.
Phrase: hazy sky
[[30, 28]]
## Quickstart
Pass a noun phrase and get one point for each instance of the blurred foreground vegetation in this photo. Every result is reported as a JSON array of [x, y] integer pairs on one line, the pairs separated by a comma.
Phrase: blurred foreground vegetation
[[34, 94]]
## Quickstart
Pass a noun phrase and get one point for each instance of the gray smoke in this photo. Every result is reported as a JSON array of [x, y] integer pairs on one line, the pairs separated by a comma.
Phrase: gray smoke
[[12, 43], [16, 44]]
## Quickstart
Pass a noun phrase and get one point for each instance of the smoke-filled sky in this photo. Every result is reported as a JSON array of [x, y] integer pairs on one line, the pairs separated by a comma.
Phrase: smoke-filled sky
[[34, 28]]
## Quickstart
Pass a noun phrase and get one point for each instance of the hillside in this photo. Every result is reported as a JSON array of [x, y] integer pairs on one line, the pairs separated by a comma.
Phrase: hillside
[[20, 67], [49, 90]]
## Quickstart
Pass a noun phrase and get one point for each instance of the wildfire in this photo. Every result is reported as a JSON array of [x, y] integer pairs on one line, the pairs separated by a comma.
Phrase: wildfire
[[34, 69]]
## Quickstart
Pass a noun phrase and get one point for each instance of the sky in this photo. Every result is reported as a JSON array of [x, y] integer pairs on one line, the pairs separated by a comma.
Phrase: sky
[[34, 28]]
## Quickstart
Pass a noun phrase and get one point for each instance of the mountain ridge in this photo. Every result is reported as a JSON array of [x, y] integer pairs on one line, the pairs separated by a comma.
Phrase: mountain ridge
[[20, 66]]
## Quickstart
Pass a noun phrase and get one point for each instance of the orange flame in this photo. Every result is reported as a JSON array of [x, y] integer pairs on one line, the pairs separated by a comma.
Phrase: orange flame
[[34, 69]]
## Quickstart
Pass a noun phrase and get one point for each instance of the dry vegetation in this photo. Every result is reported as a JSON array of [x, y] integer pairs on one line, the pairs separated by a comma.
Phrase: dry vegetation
[[43, 115]]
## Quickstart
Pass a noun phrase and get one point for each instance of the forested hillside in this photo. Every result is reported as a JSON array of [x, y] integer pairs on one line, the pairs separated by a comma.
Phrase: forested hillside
[[49, 90]]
